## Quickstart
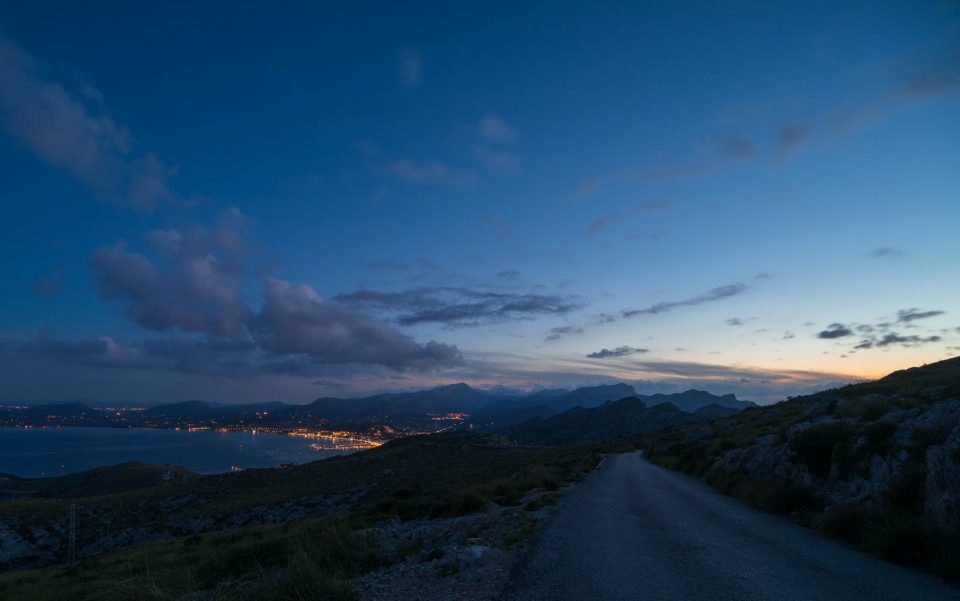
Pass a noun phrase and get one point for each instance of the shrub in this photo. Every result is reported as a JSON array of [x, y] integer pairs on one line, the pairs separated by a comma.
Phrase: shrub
[[907, 491], [818, 445], [879, 437], [845, 522], [784, 498], [901, 538]]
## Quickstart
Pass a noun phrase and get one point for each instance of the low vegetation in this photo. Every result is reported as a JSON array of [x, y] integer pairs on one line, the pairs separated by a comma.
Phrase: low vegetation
[[311, 560], [873, 464], [303, 559]]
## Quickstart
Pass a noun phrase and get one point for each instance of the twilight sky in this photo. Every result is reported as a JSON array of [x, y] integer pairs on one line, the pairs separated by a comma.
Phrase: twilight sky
[[290, 200]]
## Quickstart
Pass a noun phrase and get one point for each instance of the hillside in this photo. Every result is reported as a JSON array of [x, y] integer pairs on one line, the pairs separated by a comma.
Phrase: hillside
[[693, 400], [443, 399], [610, 421], [107, 480], [416, 477], [876, 464]]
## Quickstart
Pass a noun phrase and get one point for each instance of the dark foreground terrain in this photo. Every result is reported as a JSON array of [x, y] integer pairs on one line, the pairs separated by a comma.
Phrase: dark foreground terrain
[[420, 510], [634, 530]]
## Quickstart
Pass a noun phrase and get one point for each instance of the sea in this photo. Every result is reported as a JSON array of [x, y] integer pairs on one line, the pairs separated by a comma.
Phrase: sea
[[44, 452]]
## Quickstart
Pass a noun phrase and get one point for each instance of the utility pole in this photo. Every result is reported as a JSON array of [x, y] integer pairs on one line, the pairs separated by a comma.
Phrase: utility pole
[[72, 536]]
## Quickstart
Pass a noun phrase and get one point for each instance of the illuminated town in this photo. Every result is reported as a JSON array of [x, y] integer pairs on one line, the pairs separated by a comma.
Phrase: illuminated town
[[344, 435]]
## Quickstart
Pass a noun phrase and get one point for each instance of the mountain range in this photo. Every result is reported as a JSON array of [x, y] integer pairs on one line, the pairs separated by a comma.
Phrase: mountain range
[[488, 410]]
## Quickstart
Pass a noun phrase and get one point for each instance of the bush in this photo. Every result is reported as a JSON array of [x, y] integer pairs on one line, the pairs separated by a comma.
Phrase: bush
[[900, 538], [879, 437], [784, 498], [845, 522], [907, 492], [817, 446]]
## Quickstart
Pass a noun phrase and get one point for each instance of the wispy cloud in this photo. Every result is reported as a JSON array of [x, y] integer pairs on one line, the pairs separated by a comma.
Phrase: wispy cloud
[[886, 252], [791, 137], [410, 69], [925, 76], [719, 293], [560, 331], [458, 307], [48, 285], [907, 315], [412, 171], [72, 130], [620, 351], [492, 128], [102, 351], [601, 224], [387, 264], [736, 147]]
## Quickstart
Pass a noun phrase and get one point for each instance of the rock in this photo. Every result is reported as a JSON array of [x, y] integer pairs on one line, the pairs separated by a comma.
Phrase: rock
[[942, 505], [472, 555]]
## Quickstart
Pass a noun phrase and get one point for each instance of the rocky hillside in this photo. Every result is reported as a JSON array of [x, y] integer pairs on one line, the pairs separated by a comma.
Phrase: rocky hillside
[[442, 475], [876, 464]]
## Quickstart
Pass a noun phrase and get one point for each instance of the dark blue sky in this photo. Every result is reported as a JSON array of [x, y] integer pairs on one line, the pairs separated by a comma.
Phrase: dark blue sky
[[283, 201]]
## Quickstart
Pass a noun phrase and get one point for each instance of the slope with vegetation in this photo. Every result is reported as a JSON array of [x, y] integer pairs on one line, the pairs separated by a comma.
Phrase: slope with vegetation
[[239, 532], [875, 464]]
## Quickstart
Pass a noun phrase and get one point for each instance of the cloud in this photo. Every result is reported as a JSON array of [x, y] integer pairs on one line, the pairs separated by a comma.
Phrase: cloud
[[497, 160], [604, 222], [886, 252], [492, 133], [937, 77], [492, 128], [458, 307], [192, 283], [736, 321], [736, 147], [792, 136], [234, 357], [879, 334], [560, 331], [387, 265], [410, 70], [504, 232], [715, 294], [295, 320], [73, 131], [102, 351], [412, 171], [587, 185], [48, 285], [895, 339], [427, 263], [510, 278], [835, 330], [620, 351], [908, 315]]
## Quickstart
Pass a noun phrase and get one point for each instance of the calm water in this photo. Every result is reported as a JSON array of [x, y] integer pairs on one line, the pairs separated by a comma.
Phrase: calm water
[[39, 452]]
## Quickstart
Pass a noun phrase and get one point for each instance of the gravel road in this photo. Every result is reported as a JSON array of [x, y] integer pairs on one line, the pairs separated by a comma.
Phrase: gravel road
[[635, 531]]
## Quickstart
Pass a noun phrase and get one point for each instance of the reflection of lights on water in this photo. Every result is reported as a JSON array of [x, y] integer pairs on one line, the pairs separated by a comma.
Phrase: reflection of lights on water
[[337, 441]]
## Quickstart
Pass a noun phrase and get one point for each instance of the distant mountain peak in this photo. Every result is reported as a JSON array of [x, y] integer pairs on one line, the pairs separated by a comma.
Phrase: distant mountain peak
[[459, 386]]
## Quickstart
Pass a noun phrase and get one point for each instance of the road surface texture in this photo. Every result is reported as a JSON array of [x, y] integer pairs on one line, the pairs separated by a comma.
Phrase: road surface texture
[[635, 531]]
